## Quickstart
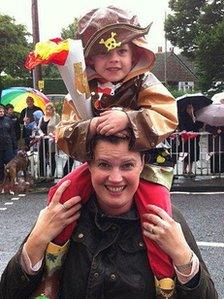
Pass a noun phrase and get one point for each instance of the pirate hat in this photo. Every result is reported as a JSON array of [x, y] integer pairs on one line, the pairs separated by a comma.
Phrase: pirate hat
[[104, 29]]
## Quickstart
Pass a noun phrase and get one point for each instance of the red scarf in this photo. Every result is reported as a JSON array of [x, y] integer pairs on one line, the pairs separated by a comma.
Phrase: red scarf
[[160, 262]]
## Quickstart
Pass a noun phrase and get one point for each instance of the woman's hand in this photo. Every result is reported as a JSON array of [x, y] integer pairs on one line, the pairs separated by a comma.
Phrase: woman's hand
[[167, 233], [51, 221], [111, 122]]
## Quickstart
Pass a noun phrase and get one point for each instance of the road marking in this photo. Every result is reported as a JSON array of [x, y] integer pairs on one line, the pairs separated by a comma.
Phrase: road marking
[[21, 195], [211, 244], [8, 203], [15, 198], [3, 209], [195, 193]]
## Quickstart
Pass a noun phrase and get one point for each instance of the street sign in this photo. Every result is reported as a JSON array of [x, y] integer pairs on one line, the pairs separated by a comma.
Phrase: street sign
[[41, 84]]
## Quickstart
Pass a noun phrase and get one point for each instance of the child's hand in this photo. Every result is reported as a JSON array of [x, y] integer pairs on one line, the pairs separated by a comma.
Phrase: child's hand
[[93, 125], [111, 122], [123, 134]]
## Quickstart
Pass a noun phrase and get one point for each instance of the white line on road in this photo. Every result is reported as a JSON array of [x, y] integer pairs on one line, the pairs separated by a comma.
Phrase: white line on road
[[8, 203], [211, 244], [3, 209], [195, 193], [21, 195], [15, 198]]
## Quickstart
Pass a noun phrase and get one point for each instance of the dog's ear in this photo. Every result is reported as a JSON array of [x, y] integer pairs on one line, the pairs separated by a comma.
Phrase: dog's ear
[[24, 148]]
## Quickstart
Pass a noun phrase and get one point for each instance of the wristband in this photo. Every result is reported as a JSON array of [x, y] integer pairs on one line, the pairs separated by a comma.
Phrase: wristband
[[117, 108], [186, 266]]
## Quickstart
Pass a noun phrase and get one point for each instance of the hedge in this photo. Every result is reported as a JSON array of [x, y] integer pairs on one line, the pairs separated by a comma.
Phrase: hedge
[[50, 85]]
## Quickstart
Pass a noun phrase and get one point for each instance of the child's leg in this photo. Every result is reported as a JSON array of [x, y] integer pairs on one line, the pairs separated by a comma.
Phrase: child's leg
[[80, 186], [151, 193]]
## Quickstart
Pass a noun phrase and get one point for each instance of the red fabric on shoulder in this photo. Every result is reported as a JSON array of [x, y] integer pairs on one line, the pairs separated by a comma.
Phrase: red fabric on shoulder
[[80, 186], [155, 194]]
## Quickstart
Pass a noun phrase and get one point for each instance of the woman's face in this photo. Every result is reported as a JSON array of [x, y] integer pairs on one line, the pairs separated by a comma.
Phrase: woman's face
[[115, 65], [49, 110], [115, 172]]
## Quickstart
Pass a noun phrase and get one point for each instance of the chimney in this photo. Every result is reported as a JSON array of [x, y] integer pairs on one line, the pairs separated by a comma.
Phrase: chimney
[[160, 49]]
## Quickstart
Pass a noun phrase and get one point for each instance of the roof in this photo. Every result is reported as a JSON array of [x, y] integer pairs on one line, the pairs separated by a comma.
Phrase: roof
[[178, 68]]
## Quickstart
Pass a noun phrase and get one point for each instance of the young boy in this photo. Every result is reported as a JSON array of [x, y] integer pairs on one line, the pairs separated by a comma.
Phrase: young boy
[[125, 96], [124, 93]]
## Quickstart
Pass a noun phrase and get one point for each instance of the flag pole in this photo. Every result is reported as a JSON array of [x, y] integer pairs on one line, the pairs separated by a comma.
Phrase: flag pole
[[165, 57]]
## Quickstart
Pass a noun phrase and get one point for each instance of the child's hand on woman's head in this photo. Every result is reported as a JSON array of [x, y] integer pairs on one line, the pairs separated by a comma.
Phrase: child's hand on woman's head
[[93, 126], [111, 122]]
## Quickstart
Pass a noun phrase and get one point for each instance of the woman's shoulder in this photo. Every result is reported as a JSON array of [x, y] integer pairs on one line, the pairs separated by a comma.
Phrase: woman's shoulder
[[178, 216]]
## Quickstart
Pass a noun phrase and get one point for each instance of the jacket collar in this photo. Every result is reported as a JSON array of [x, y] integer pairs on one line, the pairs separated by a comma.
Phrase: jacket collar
[[103, 221]]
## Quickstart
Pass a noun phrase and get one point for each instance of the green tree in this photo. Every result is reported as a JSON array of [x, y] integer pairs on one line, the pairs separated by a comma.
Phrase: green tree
[[50, 71], [70, 31], [196, 27], [210, 56], [13, 47], [181, 26]]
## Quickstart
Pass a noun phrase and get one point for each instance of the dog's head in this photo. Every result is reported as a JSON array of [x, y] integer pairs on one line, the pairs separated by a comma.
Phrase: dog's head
[[22, 153]]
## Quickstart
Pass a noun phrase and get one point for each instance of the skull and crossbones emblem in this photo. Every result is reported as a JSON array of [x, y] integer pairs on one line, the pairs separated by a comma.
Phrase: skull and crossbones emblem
[[110, 43]]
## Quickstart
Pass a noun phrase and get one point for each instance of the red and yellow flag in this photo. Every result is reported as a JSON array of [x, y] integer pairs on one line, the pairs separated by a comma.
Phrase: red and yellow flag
[[53, 51]]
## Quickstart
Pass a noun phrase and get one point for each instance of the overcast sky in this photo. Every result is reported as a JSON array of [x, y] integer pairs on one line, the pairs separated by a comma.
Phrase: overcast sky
[[54, 15]]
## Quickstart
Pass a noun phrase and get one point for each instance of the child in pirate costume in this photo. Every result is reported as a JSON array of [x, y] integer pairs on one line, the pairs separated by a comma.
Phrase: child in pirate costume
[[125, 94]]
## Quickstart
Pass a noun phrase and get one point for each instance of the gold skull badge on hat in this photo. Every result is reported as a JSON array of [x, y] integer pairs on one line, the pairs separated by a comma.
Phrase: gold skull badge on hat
[[105, 29]]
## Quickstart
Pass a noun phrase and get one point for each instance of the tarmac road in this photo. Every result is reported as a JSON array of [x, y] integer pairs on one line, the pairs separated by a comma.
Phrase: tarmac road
[[203, 212]]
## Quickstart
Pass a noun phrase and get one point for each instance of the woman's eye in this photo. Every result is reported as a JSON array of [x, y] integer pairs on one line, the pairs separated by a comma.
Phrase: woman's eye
[[103, 165], [127, 166]]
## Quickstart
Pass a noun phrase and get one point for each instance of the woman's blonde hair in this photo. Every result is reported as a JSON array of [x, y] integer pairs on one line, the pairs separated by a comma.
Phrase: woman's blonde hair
[[51, 105]]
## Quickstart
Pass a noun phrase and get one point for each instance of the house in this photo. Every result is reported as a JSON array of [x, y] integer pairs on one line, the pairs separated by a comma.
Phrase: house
[[175, 70]]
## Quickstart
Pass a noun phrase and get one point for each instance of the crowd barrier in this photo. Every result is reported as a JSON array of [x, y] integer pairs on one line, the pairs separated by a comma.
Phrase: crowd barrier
[[201, 151]]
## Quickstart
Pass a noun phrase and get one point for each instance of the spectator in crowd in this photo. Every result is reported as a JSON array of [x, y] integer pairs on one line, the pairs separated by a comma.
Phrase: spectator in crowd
[[190, 142], [106, 256], [68, 166], [46, 127], [8, 142], [33, 126], [26, 117], [10, 113], [216, 146]]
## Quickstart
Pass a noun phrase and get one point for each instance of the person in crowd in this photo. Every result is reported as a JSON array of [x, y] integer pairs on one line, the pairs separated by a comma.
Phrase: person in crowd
[[47, 147], [34, 129], [124, 94], [26, 117], [68, 166], [190, 142], [8, 142], [216, 146], [106, 257], [10, 112]]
